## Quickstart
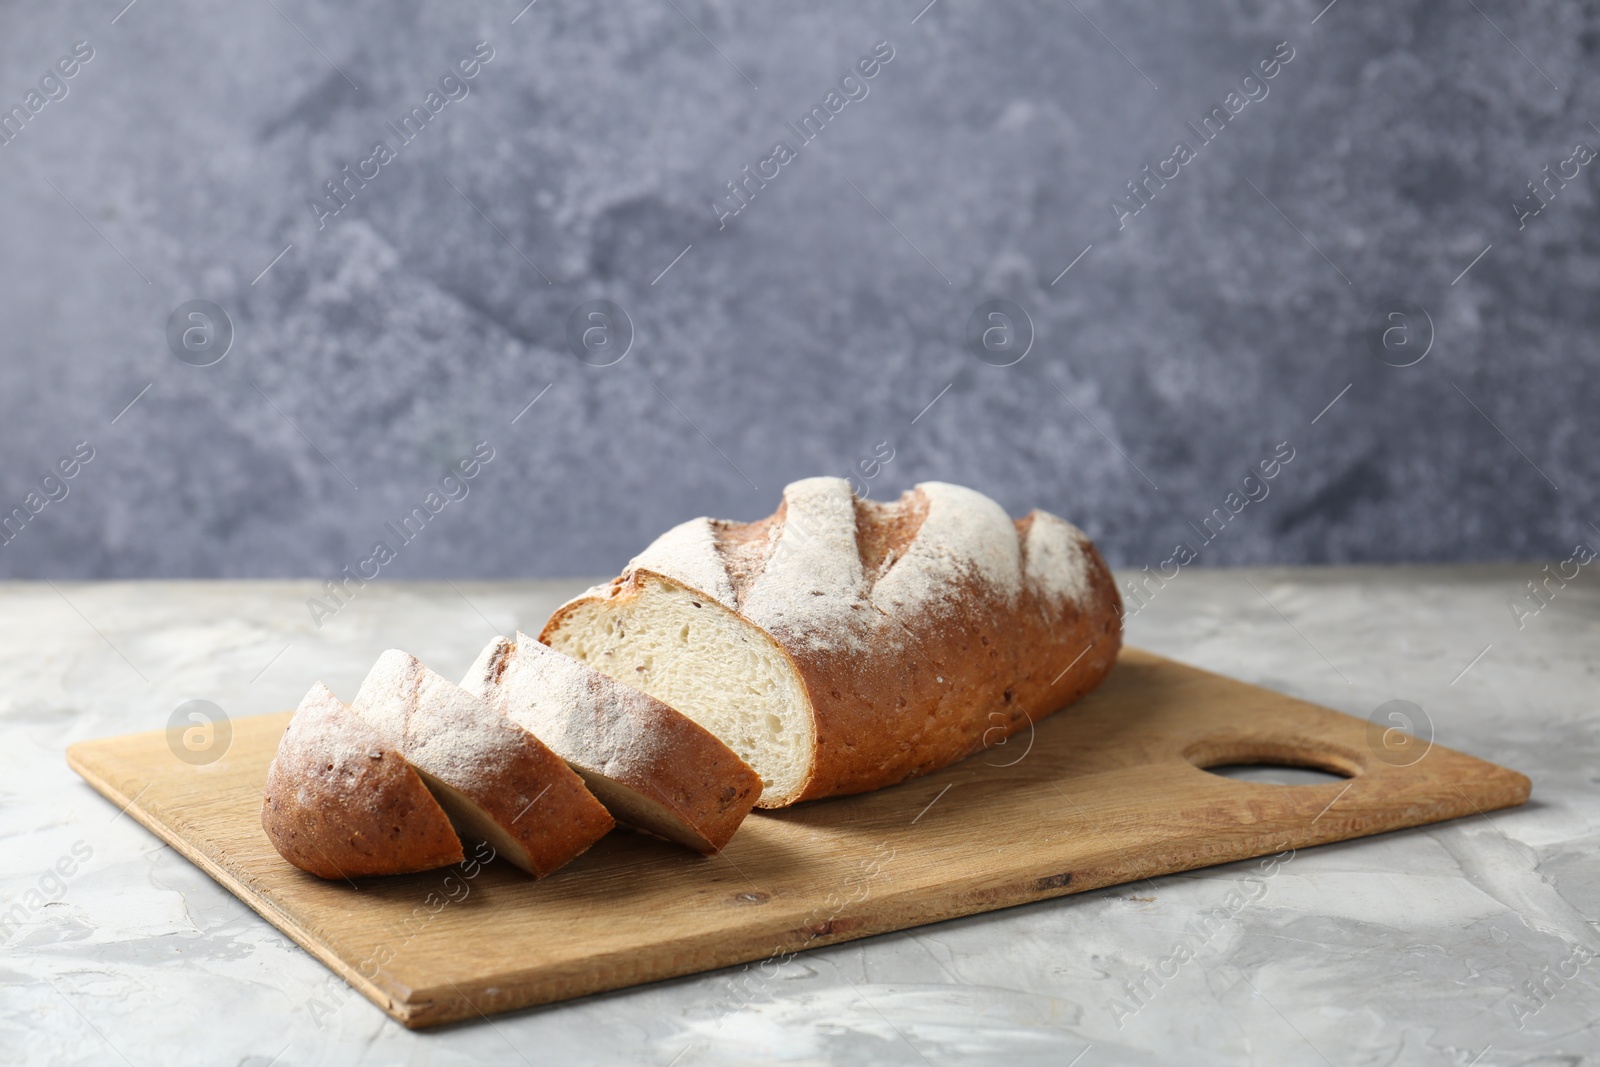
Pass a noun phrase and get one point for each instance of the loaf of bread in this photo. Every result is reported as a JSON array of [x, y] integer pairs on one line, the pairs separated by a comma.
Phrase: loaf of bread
[[342, 804], [650, 766], [499, 782], [842, 645]]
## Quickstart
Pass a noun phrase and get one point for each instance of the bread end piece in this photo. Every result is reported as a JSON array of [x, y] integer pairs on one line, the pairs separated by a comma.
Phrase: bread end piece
[[498, 782], [339, 803], [652, 767]]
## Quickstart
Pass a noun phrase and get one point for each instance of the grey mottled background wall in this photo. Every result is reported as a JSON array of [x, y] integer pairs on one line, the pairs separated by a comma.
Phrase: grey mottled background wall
[[813, 330]]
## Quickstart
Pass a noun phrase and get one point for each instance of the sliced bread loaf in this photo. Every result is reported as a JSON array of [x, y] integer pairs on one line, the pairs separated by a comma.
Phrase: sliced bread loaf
[[841, 645], [498, 781], [654, 768], [341, 803]]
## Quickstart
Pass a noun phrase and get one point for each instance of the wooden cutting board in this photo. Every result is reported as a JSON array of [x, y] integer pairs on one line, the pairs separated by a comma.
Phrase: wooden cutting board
[[1109, 791]]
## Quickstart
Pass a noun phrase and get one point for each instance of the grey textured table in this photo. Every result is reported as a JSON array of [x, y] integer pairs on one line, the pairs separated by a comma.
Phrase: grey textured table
[[1439, 945]]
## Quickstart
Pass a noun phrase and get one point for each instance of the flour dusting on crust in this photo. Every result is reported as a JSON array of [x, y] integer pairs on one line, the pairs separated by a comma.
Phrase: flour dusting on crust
[[813, 591], [439, 727], [340, 803], [1056, 562], [688, 553], [651, 765], [324, 731], [966, 545], [575, 710]]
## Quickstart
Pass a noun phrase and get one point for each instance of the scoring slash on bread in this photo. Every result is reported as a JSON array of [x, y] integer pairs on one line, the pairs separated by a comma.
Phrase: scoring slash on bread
[[650, 766], [499, 782], [342, 804], [841, 645]]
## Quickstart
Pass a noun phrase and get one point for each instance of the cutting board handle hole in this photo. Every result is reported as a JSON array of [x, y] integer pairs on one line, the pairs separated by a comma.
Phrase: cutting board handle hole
[[1277, 761]]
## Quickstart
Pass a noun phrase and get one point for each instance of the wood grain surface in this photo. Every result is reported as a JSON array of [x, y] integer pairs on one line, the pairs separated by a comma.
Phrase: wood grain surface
[[1108, 791]]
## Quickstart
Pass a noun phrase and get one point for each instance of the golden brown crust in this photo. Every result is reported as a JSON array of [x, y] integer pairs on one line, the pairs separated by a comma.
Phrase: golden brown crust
[[972, 671], [675, 777], [498, 781], [943, 636], [709, 788], [744, 548], [885, 529], [341, 804]]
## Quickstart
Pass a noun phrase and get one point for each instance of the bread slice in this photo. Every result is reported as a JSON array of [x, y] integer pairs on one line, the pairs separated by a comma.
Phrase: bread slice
[[841, 645], [693, 653], [499, 783], [342, 804], [652, 767]]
